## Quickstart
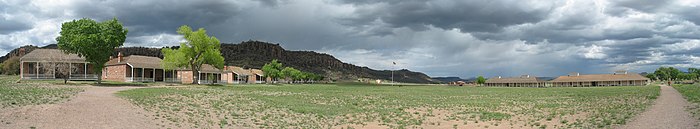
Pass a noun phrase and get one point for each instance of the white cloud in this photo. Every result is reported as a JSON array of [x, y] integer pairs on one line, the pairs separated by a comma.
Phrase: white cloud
[[594, 52]]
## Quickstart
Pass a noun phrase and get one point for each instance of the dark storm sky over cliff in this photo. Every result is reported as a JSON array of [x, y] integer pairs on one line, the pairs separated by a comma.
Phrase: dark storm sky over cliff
[[438, 37]]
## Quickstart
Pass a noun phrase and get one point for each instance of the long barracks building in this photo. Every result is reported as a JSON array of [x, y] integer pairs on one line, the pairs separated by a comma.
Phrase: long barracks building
[[619, 78]]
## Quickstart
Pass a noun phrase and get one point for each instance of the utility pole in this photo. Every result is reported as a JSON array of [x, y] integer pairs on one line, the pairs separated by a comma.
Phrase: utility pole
[[392, 74]]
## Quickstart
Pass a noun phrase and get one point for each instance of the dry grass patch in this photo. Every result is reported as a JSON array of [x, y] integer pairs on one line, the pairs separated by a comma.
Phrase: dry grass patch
[[360, 106], [14, 94]]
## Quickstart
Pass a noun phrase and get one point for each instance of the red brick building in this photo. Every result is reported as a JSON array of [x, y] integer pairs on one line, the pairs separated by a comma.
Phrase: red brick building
[[136, 68], [238, 75]]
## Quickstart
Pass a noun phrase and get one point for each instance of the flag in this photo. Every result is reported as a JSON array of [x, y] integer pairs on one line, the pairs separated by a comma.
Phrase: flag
[[394, 63]]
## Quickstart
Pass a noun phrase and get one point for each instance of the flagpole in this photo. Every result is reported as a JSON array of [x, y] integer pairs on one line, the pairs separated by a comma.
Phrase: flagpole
[[392, 74]]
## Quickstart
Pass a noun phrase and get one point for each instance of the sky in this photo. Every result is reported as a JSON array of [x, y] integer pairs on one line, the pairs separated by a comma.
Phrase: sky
[[462, 38]]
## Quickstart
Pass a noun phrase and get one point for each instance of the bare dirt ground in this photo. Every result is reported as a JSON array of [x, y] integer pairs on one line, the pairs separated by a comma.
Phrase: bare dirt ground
[[96, 108], [668, 112]]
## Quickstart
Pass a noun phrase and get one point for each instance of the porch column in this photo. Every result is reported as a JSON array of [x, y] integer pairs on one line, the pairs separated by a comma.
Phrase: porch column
[[36, 69], [85, 64], [54, 71], [21, 69], [70, 69], [143, 73], [154, 75], [132, 74]]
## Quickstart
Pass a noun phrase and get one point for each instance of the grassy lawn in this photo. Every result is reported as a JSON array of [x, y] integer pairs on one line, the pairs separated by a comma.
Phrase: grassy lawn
[[14, 94], [357, 106], [692, 94]]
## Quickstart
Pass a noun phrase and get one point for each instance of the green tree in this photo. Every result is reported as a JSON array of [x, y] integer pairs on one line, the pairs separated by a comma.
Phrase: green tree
[[306, 76], [92, 40], [273, 69], [199, 49], [290, 74], [480, 80], [651, 76], [694, 71], [10, 66], [667, 73], [687, 76]]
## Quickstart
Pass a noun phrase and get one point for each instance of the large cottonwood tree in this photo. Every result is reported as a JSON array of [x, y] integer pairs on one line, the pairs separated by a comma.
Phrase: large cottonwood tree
[[199, 49], [95, 41], [273, 69]]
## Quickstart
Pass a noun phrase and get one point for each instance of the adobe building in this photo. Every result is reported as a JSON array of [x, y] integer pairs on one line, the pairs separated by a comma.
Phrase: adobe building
[[258, 77], [209, 75], [522, 81], [619, 78], [136, 68], [34, 65], [238, 75], [235, 75]]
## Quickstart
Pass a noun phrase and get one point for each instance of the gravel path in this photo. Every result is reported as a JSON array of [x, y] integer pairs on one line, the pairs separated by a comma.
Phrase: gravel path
[[95, 108], [668, 112]]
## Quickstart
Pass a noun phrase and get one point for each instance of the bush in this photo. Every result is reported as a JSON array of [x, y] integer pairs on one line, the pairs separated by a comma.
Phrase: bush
[[11, 66]]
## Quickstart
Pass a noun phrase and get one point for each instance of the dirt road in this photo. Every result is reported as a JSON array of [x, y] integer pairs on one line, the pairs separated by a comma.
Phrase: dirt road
[[668, 112], [96, 108]]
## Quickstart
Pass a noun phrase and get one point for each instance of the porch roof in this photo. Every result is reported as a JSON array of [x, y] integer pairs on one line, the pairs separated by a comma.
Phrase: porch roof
[[51, 55], [601, 77], [238, 70], [138, 61]]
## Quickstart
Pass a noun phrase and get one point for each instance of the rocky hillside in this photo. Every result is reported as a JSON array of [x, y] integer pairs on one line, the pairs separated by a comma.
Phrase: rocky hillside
[[254, 54]]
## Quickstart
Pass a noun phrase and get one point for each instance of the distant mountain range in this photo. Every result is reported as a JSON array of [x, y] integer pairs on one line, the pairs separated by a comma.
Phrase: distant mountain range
[[254, 54], [452, 79]]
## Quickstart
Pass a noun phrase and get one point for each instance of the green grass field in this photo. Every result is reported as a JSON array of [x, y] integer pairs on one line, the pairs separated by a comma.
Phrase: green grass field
[[355, 105], [692, 94], [14, 94]]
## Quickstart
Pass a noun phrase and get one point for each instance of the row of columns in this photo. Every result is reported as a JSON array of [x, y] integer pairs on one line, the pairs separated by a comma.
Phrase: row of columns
[[571, 84], [53, 75]]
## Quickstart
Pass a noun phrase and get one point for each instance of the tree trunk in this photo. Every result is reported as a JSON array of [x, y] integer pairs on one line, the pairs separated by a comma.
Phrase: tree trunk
[[99, 79], [195, 75]]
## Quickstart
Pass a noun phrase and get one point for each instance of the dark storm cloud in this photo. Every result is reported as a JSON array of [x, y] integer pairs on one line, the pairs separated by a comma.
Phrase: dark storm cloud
[[9, 26], [468, 16], [438, 37], [642, 5], [628, 51], [157, 16]]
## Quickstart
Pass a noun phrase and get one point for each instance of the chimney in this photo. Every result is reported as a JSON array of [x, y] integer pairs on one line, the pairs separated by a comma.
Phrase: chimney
[[574, 74], [620, 72], [499, 77], [119, 57], [21, 52]]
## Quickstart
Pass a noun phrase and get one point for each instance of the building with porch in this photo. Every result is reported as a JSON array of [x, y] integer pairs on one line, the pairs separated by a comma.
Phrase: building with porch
[[236, 75], [209, 75], [258, 76], [619, 78], [136, 68], [34, 65], [522, 81]]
